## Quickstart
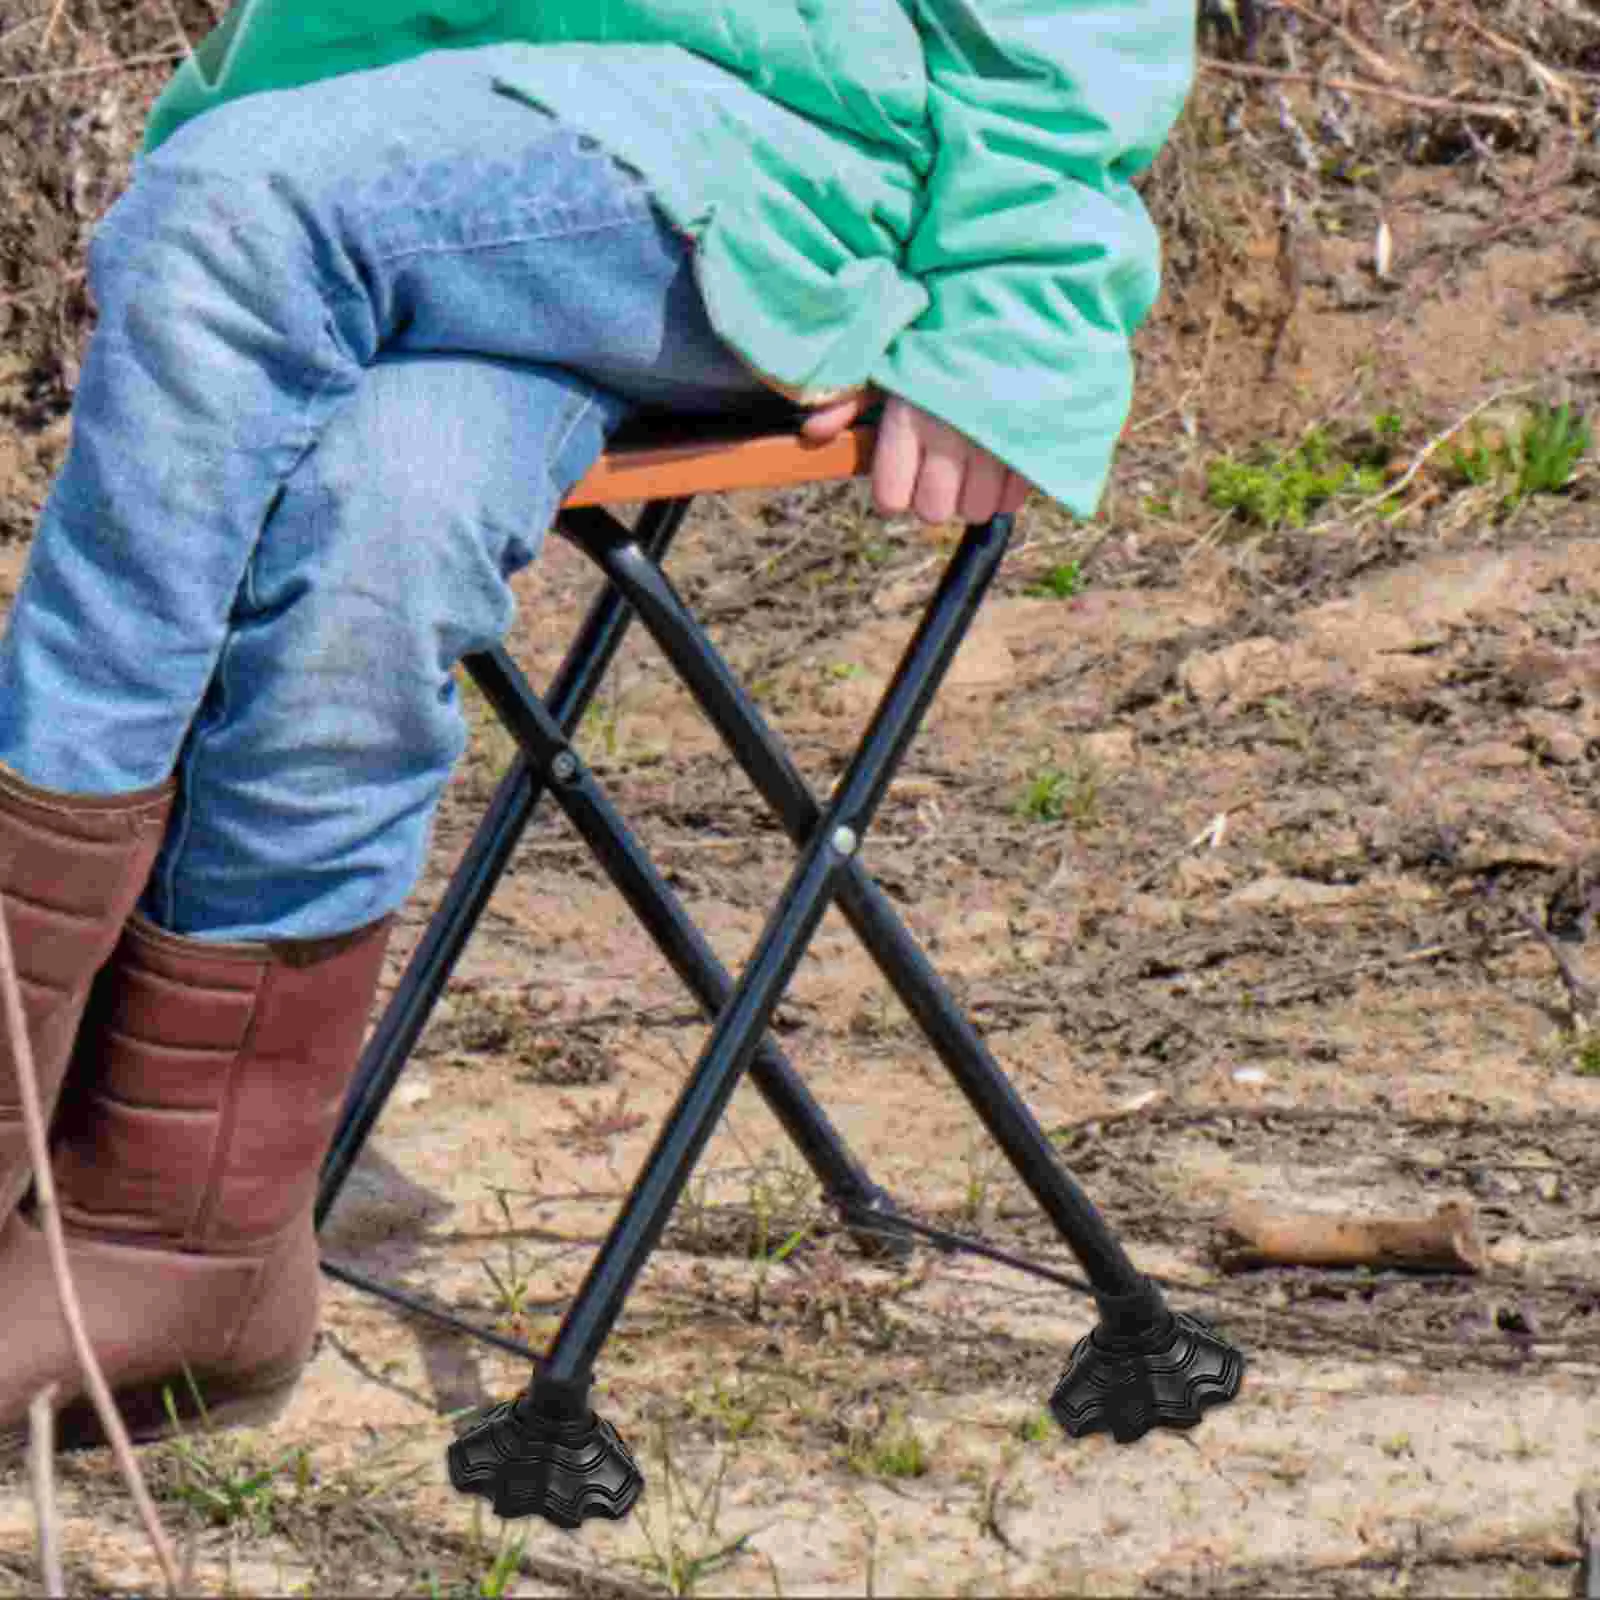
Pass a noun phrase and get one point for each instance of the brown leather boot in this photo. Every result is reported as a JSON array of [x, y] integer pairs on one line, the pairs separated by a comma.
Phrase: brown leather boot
[[186, 1172], [72, 868]]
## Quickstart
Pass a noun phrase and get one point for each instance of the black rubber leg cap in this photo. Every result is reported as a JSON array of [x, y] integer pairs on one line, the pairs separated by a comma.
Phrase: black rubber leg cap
[[539, 1456], [1165, 1376]]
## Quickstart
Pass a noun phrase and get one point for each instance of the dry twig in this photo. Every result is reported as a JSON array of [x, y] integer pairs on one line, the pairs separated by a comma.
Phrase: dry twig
[[1583, 1001], [21, 27], [1589, 1542], [1433, 446], [1489, 110], [41, 1474], [1371, 59], [49, 1218], [1211, 836], [176, 18], [156, 58], [1300, 988], [1548, 79], [50, 27], [1574, 13]]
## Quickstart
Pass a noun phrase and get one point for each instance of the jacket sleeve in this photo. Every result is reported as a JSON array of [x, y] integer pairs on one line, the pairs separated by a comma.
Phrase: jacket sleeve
[[1037, 255]]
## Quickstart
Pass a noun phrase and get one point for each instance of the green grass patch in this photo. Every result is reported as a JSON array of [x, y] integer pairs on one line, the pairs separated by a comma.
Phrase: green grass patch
[[1276, 489], [1063, 581], [1037, 1427], [1061, 794], [895, 1451], [1537, 455], [1586, 1056]]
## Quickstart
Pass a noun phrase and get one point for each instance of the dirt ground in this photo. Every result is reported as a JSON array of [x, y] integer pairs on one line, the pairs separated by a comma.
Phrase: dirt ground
[[1263, 849]]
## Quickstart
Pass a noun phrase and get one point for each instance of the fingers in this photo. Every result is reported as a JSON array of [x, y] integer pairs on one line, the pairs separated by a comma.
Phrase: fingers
[[829, 421], [920, 464], [1014, 496], [984, 486], [896, 461], [926, 466], [945, 467]]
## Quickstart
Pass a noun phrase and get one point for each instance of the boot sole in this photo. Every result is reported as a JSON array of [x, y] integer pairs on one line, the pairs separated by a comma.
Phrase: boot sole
[[145, 1415]]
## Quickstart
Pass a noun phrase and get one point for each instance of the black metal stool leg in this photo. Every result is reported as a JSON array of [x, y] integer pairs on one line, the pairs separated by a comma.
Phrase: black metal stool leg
[[845, 1183], [546, 1454], [1144, 1367], [486, 858], [541, 732]]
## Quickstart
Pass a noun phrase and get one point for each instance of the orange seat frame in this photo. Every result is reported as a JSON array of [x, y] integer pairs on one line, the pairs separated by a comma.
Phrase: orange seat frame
[[672, 463]]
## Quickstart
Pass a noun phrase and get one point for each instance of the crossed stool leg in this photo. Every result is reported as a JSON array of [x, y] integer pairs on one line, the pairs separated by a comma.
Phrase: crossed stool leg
[[546, 1453]]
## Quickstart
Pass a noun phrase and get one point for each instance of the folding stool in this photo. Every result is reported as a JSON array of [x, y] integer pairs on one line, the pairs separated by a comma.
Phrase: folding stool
[[546, 1453]]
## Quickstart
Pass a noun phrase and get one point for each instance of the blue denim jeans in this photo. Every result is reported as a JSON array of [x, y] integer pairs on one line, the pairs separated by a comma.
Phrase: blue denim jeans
[[356, 340]]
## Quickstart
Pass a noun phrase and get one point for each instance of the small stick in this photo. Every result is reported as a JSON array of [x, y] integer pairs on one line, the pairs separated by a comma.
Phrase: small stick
[[26, 23], [1254, 1237], [1300, 987], [176, 18], [1573, 14], [41, 1473], [1211, 836], [49, 1216]]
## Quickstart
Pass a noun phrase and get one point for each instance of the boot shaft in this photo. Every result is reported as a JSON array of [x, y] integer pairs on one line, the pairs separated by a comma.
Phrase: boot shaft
[[206, 1089], [72, 868], [212, 1081]]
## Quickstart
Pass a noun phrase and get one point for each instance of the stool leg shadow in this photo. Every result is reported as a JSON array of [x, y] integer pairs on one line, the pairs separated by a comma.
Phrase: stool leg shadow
[[380, 1204]]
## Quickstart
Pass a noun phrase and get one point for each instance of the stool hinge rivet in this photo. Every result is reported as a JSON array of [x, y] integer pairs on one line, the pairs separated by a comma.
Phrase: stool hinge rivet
[[564, 766], [845, 841]]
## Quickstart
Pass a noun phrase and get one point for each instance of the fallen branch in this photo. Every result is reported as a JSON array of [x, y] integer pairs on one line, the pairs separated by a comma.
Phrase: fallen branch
[[1490, 110], [49, 1218], [1254, 1237]]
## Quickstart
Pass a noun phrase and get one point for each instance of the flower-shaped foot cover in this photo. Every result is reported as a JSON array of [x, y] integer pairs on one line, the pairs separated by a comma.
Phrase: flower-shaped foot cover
[[1164, 1376], [541, 1456]]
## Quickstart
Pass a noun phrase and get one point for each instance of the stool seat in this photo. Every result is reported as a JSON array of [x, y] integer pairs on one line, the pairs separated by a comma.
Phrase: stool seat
[[673, 458]]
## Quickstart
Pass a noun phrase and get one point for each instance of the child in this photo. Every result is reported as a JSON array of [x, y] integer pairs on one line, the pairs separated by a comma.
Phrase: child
[[382, 282]]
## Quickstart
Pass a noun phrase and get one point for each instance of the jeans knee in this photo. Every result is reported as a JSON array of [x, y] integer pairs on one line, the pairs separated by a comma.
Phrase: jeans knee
[[172, 225], [196, 250], [392, 558]]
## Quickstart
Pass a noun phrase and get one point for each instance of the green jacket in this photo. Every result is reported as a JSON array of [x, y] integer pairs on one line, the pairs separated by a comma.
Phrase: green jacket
[[929, 195]]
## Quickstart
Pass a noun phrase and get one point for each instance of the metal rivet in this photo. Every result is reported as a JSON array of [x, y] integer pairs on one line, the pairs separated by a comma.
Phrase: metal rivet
[[844, 841], [564, 767]]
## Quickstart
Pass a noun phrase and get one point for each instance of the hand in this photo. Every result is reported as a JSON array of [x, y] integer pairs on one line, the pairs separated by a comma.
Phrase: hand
[[924, 465]]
